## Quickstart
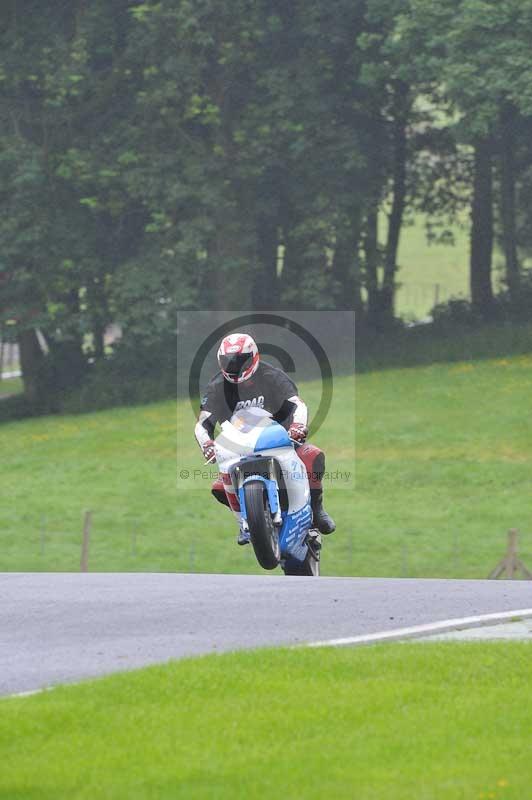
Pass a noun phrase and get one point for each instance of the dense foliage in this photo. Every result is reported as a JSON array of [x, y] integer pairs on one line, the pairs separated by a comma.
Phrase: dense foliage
[[241, 153]]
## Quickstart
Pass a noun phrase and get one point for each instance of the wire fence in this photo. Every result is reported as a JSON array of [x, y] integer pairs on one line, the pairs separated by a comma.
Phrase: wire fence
[[46, 544], [416, 300]]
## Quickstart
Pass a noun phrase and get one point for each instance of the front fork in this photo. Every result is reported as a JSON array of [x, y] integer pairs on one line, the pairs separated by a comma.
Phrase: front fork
[[265, 471]]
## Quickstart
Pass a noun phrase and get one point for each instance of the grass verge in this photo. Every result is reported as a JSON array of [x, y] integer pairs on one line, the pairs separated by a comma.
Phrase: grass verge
[[443, 462], [443, 458], [393, 722]]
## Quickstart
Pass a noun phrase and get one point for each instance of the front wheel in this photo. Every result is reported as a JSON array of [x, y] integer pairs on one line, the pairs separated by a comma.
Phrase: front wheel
[[263, 533]]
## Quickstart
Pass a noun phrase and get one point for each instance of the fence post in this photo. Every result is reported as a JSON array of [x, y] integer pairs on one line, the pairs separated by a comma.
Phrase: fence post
[[456, 554], [404, 561], [134, 540], [511, 564], [43, 534], [87, 523], [511, 554]]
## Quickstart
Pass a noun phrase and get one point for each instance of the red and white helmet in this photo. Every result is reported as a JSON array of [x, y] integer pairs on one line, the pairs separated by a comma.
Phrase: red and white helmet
[[238, 357]]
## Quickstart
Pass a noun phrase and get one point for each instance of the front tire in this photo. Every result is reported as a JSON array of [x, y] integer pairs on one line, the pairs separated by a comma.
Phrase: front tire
[[263, 533]]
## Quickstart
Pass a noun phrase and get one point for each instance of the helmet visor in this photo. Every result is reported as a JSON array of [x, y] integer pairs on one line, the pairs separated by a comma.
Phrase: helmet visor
[[235, 364]]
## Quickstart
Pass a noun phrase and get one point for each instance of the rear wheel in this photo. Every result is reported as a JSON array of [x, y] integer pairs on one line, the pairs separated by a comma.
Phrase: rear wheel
[[310, 566], [263, 533]]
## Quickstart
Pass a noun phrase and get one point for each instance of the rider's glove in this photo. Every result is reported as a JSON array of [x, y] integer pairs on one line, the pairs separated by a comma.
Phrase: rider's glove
[[298, 432], [208, 452]]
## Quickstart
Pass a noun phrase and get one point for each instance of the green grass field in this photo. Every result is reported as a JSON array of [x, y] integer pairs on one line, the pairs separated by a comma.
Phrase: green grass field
[[443, 464], [9, 386], [430, 273], [393, 722]]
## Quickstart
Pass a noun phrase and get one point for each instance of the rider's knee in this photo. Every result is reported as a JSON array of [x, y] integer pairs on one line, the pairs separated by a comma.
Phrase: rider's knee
[[314, 460], [312, 456], [218, 491]]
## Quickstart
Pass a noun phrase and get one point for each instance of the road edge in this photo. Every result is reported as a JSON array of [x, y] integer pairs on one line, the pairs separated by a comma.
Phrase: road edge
[[427, 629]]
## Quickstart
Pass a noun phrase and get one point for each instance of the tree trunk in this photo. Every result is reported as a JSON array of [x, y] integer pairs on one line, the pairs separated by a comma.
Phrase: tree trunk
[[346, 266], [293, 270], [395, 220], [295, 265], [31, 357], [371, 249], [482, 230], [230, 266], [99, 313], [265, 294], [507, 197], [232, 251]]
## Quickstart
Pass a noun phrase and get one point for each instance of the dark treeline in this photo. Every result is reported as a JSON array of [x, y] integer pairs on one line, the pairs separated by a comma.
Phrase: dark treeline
[[228, 154]]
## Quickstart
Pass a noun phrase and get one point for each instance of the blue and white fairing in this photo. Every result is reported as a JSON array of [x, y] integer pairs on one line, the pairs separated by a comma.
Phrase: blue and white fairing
[[252, 438]]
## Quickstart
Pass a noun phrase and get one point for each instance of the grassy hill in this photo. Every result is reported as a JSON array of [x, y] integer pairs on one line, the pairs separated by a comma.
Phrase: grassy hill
[[443, 464], [395, 721]]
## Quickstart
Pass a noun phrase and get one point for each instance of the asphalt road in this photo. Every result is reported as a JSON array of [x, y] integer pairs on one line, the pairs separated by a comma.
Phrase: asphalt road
[[56, 628]]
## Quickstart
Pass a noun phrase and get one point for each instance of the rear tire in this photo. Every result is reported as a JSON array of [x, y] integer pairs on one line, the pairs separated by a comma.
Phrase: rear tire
[[263, 533], [310, 567]]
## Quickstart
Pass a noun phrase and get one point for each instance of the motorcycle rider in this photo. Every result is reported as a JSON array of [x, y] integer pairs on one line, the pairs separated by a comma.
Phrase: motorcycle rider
[[245, 380]]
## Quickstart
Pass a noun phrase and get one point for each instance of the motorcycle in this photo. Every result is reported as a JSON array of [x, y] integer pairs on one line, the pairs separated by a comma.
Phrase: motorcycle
[[269, 480]]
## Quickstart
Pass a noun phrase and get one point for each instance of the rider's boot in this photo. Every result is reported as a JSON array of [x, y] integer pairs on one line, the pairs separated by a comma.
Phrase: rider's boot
[[243, 536], [321, 520]]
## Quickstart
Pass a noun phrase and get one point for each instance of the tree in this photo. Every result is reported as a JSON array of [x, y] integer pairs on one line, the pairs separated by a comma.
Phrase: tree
[[478, 52], [59, 75]]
